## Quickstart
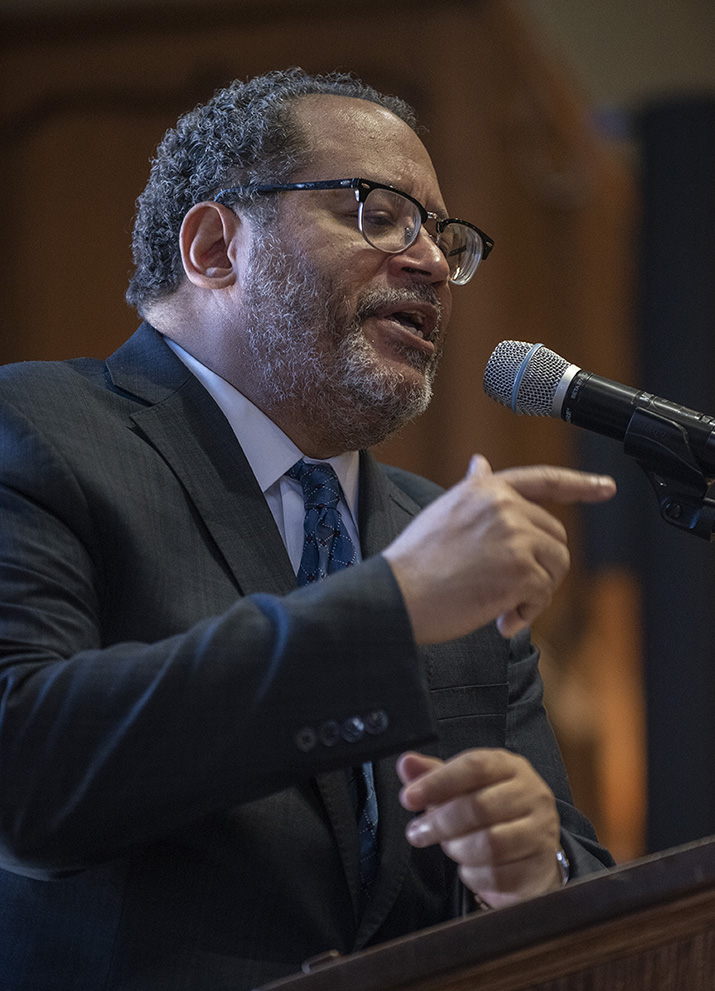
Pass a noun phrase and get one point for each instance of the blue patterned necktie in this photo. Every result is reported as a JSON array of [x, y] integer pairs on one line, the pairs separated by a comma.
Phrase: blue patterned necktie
[[327, 545], [328, 548]]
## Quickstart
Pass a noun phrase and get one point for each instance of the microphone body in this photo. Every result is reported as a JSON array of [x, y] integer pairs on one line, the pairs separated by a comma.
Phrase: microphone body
[[530, 379]]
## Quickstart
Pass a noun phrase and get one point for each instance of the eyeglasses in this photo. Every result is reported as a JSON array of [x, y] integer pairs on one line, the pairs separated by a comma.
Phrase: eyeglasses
[[391, 221]]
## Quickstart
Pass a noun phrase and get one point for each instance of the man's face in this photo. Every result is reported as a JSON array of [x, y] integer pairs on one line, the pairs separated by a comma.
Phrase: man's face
[[311, 356], [329, 322]]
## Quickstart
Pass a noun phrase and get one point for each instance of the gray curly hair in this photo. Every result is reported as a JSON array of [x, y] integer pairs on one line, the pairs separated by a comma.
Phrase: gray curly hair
[[246, 133]]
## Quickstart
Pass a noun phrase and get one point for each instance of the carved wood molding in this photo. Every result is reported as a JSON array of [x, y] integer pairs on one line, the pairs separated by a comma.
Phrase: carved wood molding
[[28, 29]]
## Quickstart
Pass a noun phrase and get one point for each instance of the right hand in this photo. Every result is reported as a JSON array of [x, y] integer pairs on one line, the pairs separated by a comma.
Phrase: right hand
[[488, 550]]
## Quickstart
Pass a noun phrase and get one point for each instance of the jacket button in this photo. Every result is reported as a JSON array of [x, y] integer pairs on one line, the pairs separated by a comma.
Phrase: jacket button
[[329, 733], [305, 739], [353, 729], [376, 722]]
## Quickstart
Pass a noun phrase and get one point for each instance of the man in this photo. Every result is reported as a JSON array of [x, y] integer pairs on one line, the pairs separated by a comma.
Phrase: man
[[177, 713]]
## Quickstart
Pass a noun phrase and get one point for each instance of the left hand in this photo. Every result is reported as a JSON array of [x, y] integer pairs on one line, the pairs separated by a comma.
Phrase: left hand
[[492, 814]]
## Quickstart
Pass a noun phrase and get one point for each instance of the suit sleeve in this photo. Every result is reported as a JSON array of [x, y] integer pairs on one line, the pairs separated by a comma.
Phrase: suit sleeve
[[105, 746]]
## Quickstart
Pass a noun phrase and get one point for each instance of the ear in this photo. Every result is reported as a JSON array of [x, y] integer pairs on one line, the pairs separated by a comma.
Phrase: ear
[[210, 239]]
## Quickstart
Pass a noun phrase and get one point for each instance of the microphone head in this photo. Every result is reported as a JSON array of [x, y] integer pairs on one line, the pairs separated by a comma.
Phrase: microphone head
[[526, 378]]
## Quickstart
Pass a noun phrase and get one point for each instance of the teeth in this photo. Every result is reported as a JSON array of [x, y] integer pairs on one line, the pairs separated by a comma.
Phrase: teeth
[[413, 319], [414, 322]]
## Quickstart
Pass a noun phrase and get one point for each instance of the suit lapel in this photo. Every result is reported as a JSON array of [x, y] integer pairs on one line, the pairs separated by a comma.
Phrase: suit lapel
[[333, 790], [385, 510], [189, 431]]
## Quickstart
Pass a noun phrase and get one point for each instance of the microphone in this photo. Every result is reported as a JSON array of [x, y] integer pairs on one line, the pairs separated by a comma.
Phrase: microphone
[[662, 436]]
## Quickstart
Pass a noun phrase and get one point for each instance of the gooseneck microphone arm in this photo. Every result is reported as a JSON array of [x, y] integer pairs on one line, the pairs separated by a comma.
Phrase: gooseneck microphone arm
[[675, 446]]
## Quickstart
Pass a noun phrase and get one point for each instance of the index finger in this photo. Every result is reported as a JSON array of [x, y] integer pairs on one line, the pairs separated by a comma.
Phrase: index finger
[[467, 772], [547, 483]]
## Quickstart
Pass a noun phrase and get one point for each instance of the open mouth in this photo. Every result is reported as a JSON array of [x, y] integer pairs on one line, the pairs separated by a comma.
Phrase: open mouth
[[421, 321]]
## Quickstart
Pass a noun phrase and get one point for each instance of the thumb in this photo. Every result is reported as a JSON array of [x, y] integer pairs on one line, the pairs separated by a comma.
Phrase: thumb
[[479, 467]]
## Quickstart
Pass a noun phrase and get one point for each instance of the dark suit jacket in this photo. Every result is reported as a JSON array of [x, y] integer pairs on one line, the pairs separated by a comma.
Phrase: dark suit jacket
[[172, 810]]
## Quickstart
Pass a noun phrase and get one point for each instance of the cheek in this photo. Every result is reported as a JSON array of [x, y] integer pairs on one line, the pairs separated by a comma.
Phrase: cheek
[[344, 255]]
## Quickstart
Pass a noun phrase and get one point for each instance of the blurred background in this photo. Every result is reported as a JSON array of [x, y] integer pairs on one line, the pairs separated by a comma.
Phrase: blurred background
[[581, 136]]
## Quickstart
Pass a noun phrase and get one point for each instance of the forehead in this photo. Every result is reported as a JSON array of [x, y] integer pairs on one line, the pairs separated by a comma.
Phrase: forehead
[[348, 137]]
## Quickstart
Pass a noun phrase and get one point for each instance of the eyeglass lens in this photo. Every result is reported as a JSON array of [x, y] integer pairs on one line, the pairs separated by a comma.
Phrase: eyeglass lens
[[391, 223]]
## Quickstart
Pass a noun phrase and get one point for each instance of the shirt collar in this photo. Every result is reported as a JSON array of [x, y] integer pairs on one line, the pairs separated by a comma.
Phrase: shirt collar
[[268, 450]]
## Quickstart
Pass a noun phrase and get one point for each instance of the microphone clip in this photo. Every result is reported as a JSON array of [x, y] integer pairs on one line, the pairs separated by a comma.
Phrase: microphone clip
[[685, 495]]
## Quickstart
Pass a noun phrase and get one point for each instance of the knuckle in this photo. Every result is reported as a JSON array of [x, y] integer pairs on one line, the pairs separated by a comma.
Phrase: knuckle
[[479, 807], [471, 765], [548, 803], [522, 766], [561, 530], [497, 514], [438, 824], [517, 556], [494, 845], [551, 475]]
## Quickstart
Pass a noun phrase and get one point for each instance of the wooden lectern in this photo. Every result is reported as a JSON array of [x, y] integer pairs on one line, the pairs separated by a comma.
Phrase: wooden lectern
[[646, 926]]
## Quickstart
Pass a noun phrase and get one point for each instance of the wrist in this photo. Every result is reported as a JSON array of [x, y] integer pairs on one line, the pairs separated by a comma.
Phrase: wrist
[[562, 873]]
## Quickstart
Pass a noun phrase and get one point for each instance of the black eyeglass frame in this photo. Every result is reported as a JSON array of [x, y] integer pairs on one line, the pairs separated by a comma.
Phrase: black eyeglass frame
[[362, 188]]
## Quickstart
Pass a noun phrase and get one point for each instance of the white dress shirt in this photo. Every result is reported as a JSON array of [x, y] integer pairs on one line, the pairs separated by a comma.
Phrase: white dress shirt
[[270, 453]]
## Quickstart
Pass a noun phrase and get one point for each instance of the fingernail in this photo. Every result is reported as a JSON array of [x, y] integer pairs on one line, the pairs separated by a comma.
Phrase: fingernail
[[418, 832], [605, 481]]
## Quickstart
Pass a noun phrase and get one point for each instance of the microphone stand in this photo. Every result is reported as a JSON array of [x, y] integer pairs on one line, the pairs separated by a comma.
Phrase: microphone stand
[[685, 495]]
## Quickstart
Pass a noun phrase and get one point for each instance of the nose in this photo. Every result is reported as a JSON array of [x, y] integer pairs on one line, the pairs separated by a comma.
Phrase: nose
[[423, 258]]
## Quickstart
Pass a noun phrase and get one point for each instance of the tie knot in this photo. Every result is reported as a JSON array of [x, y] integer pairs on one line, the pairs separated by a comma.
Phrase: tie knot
[[321, 487]]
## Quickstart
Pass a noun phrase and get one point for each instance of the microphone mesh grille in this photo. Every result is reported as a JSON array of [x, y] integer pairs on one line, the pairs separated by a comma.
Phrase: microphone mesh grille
[[539, 380]]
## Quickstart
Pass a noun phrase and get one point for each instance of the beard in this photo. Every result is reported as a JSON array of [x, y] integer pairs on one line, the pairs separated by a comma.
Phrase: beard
[[311, 360]]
